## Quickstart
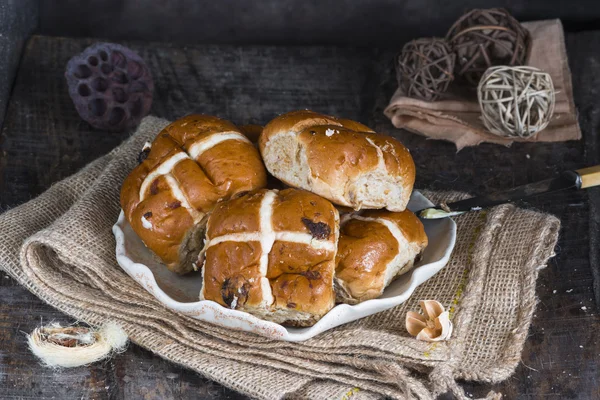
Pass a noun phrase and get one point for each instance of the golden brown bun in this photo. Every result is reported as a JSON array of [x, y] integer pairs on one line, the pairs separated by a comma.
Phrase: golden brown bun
[[272, 254], [251, 131], [341, 160], [192, 164], [374, 248]]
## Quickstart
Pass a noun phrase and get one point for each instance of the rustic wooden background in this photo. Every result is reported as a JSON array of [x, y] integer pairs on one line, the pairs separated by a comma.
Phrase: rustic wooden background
[[43, 141], [333, 22]]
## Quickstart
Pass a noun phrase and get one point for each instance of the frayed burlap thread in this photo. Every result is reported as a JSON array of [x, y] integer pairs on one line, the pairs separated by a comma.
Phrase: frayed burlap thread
[[60, 247]]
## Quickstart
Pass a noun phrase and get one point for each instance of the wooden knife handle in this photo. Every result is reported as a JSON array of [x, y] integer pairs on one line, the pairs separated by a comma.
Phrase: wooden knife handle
[[589, 176]]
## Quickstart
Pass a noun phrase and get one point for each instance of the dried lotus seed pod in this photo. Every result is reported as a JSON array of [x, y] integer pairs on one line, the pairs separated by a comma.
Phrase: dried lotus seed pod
[[110, 85]]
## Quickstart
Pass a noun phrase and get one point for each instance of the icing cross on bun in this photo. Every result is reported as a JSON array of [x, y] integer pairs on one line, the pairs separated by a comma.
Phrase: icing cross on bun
[[341, 160], [375, 247], [272, 254], [194, 163]]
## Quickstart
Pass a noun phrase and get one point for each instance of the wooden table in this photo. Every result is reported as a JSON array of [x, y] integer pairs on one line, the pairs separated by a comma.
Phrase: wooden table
[[43, 141]]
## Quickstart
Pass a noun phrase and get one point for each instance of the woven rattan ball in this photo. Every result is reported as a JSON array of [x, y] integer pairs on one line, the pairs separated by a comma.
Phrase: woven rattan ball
[[484, 38], [425, 68], [516, 101]]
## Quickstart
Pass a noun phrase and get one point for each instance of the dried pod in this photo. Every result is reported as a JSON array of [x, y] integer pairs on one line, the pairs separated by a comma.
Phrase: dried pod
[[433, 325], [483, 38], [73, 346], [425, 68], [110, 85]]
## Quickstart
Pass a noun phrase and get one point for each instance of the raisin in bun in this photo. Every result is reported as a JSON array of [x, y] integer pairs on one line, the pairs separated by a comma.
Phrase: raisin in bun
[[192, 164], [374, 248], [341, 160], [272, 254]]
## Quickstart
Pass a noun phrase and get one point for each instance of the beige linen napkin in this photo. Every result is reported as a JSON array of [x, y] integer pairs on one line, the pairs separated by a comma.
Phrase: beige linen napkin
[[456, 117], [61, 248]]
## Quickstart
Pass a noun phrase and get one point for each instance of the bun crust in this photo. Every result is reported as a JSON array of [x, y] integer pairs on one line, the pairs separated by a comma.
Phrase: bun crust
[[341, 160], [191, 165], [374, 248], [272, 254]]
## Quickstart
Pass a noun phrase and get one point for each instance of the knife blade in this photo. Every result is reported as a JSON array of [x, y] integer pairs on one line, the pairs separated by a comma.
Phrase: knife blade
[[579, 179]]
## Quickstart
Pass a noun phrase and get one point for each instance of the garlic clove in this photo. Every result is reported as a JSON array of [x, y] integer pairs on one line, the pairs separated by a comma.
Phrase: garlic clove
[[433, 325], [415, 323], [442, 330], [429, 335], [426, 336], [431, 308], [445, 324]]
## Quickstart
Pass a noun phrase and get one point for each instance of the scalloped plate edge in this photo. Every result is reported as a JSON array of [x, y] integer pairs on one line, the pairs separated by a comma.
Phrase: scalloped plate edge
[[210, 311]]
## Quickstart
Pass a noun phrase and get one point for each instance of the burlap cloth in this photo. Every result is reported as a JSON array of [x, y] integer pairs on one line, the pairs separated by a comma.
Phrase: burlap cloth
[[457, 117], [60, 247]]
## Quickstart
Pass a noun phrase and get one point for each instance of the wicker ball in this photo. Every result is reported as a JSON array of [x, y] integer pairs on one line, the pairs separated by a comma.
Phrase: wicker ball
[[483, 38], [516, 101], [425, 68]]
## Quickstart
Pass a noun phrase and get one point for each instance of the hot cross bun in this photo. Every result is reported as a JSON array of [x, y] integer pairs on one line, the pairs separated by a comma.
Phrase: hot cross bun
[[341, 160], [194, 163], [375, 247], [272, 253]]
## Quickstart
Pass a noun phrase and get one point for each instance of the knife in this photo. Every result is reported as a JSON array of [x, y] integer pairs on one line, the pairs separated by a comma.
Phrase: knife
[[578, 179]]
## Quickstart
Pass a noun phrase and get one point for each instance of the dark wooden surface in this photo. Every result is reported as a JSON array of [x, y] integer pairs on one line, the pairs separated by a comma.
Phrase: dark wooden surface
[[43, 140], [17, 20], [335, 22]]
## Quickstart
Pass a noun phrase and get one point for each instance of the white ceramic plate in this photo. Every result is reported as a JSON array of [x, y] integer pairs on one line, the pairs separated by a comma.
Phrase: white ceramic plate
[[180, 293]]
